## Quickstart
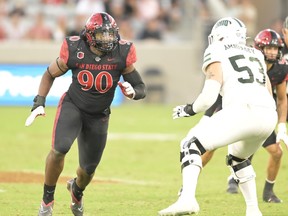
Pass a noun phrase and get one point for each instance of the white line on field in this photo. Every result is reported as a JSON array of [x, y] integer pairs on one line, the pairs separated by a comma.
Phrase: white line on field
[[126, 181], [143, 136]]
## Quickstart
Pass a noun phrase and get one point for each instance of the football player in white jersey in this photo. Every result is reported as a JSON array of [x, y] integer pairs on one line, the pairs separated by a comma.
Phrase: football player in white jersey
[[239, 74]]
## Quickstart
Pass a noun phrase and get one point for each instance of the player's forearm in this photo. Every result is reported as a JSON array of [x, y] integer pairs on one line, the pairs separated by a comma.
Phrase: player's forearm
[[207, 97], [140, 92], [282, 111], [45, 84], [135, 80]]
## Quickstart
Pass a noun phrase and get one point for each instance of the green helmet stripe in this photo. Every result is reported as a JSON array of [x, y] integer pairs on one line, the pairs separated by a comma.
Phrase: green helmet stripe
[[238, 22]]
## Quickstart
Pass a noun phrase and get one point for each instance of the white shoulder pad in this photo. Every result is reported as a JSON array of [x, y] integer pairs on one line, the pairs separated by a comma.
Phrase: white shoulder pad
[[212, 54]]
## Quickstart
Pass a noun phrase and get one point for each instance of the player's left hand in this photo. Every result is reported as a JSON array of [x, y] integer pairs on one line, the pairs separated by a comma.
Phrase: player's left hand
[[179, 112], [282, 133], [127, 89]]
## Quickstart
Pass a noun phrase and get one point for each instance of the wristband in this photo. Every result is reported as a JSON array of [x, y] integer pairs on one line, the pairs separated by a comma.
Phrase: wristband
[[189, 109], [38, 101]]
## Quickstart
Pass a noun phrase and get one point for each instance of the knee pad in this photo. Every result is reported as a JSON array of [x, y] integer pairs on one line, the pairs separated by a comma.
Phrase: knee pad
[[190, 153], [183, 142], [192, 143], [241, 169]]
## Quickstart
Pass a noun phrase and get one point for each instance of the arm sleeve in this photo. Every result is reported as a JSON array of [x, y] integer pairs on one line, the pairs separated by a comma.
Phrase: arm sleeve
[[137, 83], [207, 97]]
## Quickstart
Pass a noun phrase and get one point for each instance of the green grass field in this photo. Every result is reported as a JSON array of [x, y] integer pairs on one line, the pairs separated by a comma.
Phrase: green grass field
[[138, 175]]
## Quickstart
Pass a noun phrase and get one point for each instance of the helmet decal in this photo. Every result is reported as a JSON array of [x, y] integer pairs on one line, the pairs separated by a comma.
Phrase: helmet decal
[[222, 23]]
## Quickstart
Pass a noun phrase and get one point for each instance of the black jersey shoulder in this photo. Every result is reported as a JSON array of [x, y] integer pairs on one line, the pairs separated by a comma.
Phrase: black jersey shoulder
[[278, 72]]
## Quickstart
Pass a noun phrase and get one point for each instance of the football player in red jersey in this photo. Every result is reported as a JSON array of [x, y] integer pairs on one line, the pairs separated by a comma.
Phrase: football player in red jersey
[[285, 48], [98, 58]]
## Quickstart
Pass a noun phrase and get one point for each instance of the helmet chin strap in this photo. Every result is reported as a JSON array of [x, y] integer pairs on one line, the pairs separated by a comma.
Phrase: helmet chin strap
[[96, 51], [270, 61]]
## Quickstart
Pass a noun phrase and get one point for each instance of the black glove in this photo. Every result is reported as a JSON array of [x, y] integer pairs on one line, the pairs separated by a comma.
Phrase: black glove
[[38, 101]]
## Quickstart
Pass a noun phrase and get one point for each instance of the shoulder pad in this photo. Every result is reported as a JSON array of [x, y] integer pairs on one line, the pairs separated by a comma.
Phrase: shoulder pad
[[283, 61]]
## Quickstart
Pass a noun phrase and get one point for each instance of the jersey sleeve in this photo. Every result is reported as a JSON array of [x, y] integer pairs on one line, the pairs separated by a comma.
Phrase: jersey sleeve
[[286, 72], [283, 63], [212, 54], [64, 52], [131, 57]]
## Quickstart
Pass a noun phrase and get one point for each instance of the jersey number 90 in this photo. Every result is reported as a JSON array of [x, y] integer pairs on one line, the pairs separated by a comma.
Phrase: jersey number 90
[[87, 80]]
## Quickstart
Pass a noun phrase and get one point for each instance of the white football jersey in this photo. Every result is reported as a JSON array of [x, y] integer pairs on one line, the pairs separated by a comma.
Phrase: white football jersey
[[244, 74]]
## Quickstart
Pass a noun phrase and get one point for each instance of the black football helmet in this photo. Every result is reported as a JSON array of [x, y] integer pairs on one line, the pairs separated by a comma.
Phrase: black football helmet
[[101, 32], [269, 37]]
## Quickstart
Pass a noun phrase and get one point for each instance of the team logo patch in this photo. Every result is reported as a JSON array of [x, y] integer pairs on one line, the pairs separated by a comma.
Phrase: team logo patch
[[80, 55], [124, 42], [74, 38]]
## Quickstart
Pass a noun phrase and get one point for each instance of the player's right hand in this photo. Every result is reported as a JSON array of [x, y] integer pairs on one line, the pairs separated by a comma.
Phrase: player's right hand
[[37, 109], [179, 112]]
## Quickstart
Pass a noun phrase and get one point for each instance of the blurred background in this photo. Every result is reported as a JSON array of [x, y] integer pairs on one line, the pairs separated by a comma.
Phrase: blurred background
[[170, 38]]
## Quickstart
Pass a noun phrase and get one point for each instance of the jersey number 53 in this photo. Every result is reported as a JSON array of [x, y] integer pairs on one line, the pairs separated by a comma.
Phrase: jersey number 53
[[253, 75]]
